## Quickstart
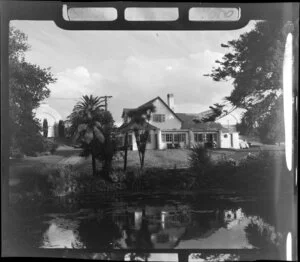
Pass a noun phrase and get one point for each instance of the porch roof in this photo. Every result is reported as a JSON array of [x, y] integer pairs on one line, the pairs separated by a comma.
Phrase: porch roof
[[125, 127]]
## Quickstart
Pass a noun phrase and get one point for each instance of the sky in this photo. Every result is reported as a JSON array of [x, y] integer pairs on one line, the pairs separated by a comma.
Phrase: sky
[[131, 66]]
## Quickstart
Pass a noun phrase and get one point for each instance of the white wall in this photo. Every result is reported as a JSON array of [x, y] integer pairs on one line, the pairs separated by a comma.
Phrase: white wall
[[171, 121], [236, 140], [151, 145], [226, 141]]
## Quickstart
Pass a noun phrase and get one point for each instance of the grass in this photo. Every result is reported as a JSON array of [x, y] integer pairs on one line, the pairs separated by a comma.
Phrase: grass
[[164, 170], [178, 158], [157, 158], [165, 159]]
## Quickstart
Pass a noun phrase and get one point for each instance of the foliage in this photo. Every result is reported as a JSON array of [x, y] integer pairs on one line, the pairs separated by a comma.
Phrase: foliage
[[45, 128], [261, 237], [199, 158], [91, 126], [109, 149], [61, 129], [256, 74], [140, 118], [217, 110], [62, 180], [28, 87], [28, 137]]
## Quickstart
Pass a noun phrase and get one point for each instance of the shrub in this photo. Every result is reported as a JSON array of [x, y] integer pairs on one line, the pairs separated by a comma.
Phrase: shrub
[[15, 152], [199, 158], [35, 180], [49, 145], [117, 175], [32, 144], [63, 180]]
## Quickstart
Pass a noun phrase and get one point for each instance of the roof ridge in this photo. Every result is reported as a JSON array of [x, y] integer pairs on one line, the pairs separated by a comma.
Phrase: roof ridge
[[152, 100]]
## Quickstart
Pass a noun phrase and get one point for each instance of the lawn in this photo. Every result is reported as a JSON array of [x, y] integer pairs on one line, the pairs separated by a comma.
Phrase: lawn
[[170, 158], [166, 159], [178, 158]]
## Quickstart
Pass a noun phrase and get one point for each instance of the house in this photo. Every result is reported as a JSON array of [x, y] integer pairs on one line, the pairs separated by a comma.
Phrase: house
[[179, 130]]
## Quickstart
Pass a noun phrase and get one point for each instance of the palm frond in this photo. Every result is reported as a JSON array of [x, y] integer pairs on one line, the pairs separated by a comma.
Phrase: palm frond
[[99, 135], [88, 136]]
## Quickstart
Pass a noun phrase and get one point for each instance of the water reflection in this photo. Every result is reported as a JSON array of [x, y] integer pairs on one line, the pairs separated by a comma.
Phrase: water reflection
[[176, 225]]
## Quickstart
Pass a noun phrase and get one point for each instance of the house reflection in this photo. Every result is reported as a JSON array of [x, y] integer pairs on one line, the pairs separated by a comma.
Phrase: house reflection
[[158, 227]]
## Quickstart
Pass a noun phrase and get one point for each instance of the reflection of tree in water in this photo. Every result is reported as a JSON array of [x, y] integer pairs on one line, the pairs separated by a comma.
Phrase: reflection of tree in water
[[262, 235], [213, 258], [98, 233]]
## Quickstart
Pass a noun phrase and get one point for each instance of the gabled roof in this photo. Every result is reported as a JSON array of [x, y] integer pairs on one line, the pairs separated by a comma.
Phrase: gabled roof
[[189, 123], [126, 110], [229, 129], [125, 127]]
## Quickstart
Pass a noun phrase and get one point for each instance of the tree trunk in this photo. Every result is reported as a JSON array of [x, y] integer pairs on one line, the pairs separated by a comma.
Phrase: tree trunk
[[94, 164], [126, 148], [142, 162], [140, 156]]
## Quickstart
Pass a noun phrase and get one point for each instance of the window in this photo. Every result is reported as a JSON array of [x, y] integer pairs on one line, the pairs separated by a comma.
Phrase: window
[[183, 138], [199, 137], [169, 137], [215, 137], [163, 137], [130, 140], [159, 118], [209, 137], [176, 137], [149, 139]]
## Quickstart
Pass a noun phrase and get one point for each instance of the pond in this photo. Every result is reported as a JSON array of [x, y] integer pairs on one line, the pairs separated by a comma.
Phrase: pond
[[148, 221]]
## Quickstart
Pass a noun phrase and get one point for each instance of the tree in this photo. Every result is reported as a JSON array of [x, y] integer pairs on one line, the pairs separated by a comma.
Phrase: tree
[[86, 126], [140, 118], [254, 65], [109, 149], [28, 86], [45, 127], [61, 129]]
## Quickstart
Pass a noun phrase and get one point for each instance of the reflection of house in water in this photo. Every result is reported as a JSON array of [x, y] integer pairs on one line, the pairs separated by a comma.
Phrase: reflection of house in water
[[180, 227], [167, 225], [164, 225]]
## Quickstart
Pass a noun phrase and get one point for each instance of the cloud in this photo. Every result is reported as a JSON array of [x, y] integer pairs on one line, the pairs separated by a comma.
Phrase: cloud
[[183, 76], [71, 84], [133, 67], [137, 79]]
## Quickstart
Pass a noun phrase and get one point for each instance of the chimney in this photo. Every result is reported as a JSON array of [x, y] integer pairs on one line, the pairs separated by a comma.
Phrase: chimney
[[171, 101]]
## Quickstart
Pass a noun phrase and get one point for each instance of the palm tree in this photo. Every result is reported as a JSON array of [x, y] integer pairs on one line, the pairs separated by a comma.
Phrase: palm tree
[[139, 123], [86, 126]]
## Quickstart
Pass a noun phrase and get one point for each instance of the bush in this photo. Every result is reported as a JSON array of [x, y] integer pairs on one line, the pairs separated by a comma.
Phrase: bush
[[117, 175], [35, 181], [49, 145], [16, 153], [199, 158], [30, 145]]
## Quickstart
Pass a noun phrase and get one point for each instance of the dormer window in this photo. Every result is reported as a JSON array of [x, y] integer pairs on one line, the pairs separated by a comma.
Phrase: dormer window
[[159, 118]]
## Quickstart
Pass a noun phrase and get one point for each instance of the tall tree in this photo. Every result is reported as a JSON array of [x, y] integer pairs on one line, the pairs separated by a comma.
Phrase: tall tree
[[28, 86], [86, 126], [61, 129], [254, 65], [45, 127], [139, 123], [106, 153]]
